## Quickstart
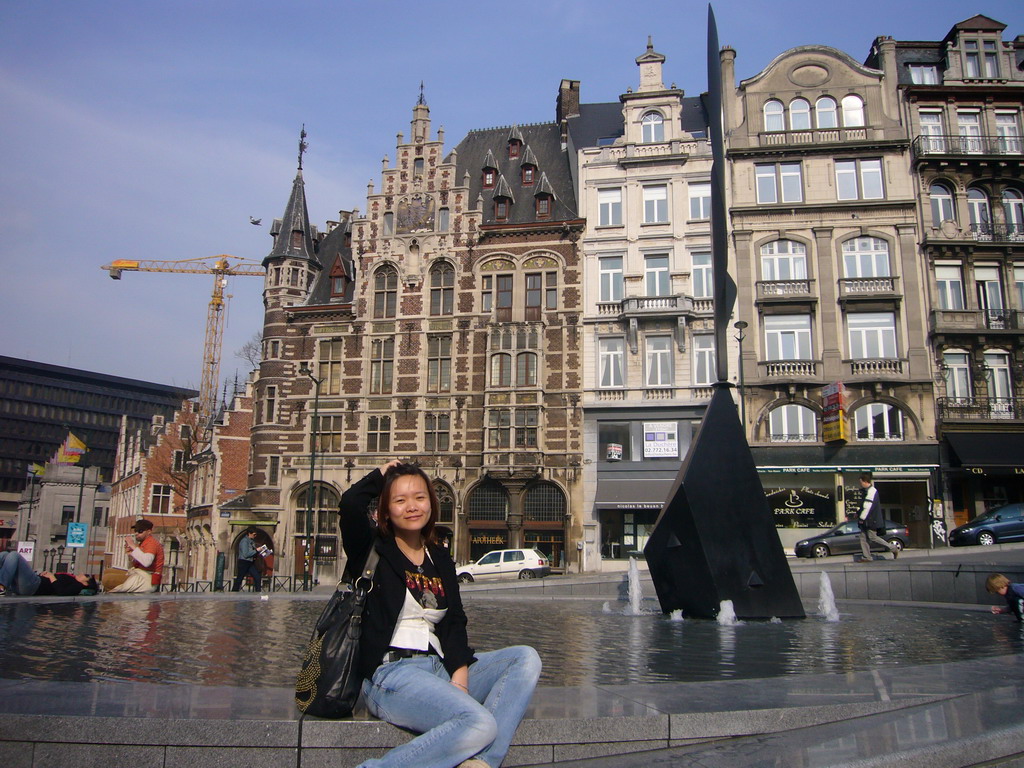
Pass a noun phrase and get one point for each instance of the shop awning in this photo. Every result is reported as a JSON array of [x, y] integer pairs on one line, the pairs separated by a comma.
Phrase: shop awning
[[633, 492], [986, 450]]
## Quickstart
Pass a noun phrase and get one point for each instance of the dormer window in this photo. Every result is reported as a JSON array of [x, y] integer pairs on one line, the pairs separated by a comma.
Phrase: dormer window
[[489, 178], [981, 60], [501, 209], [652, 128], [543, 206], [528, 172], [514, 146]]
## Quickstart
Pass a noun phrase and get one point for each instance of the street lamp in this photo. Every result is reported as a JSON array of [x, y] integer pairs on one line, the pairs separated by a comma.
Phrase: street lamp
[[740, 326], [307, 575]]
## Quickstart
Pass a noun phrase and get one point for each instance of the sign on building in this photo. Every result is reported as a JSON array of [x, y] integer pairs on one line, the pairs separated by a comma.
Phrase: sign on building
[[77, 534], [833, 421], [661, 439]]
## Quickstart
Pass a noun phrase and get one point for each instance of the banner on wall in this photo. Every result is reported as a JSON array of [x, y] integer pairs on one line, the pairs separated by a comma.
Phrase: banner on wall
[[833, 410]]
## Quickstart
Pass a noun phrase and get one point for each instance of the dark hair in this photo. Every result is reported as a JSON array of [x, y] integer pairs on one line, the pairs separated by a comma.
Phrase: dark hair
[[865, 477], [93, 584], [384, 501]]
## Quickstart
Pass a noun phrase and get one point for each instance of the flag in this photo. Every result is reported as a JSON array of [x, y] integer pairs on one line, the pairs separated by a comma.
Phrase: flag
[[36, 470], [70, 451]]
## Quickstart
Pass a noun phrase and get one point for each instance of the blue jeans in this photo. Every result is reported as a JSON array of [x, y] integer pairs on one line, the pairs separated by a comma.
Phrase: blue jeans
[[17, 575], [417, 694]]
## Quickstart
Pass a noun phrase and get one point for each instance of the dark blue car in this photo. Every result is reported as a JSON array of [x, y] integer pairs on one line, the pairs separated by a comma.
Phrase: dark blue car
[[1004, 523]]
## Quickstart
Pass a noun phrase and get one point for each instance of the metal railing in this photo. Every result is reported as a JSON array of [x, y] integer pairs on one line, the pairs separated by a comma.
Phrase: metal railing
[[987, 232], [979, 408], [977, 320], [931, 146]]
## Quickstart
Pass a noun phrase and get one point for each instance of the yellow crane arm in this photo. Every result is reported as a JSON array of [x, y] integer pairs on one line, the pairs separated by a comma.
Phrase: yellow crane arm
[[213, 265]]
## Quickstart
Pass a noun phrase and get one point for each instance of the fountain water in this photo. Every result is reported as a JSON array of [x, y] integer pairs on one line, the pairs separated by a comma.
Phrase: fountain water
[[826, 599], [636, 594], [727, 614]]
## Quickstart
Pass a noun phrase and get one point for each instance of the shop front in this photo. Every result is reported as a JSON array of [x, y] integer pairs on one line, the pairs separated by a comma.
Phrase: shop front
[[981, 471], [627, 508]]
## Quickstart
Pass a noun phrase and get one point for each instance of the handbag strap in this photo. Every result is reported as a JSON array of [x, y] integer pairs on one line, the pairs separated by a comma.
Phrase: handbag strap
[[371, 562]]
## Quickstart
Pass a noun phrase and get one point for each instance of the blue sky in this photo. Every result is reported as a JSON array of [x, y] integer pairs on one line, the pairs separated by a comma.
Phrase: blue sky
[[153, 130]]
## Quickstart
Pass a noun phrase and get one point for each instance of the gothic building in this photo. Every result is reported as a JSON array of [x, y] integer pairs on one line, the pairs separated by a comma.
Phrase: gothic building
[[440, 327]]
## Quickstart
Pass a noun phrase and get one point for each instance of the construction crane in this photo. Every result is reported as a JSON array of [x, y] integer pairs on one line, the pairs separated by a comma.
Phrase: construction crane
[[221, 267]]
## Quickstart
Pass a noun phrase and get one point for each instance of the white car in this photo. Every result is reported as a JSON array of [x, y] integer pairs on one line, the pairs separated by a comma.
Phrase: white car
[[505, 564]]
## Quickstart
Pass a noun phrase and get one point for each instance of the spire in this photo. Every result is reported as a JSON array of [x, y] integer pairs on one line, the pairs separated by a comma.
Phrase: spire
[[420, 119], [293, 236]]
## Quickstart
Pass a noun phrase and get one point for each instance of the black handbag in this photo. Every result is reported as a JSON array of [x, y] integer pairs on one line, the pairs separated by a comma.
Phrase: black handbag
[[329, 681]]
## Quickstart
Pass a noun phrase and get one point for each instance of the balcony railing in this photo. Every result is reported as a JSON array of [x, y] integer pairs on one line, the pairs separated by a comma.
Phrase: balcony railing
[[784, 289], [877, 367], [959, 146], [850, 287], [997, 233], [976, 320], [819, 136], [788, 369], [979, 408], [656, 305]]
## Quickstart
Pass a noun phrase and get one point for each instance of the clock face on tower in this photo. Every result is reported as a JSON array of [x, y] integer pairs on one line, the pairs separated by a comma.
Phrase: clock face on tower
[[415, 214]]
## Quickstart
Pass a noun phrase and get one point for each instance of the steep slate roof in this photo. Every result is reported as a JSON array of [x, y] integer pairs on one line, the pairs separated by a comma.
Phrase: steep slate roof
[[490, 147], [295, 218], [328, 250]]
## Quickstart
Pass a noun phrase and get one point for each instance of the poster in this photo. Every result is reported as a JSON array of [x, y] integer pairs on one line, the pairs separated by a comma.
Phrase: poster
[[661, 439], [77, 534]]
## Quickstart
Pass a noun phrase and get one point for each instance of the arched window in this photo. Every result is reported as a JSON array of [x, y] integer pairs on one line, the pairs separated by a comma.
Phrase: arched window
[[866, 257], [825, 112], [501, 370], [324, 517], [957, 366], [792, 424], [442, 288], [979, 212], [1013, 211], [652, 128], [488, 501], [853, 111], [942, 204], [445, 502], [878, 421], [774, 119], [783, 260], [385, 291], [544, 503], [799, 115], [997, 376], [526, 369]]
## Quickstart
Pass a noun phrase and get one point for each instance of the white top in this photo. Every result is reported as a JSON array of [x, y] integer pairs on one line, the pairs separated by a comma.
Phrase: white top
[[415, 626]]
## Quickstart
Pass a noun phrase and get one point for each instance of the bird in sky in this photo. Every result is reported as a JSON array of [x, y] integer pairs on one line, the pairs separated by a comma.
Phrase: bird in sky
[[254, 222]]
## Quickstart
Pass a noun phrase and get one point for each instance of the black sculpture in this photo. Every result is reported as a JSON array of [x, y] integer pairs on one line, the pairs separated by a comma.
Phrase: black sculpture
[[715, 538]]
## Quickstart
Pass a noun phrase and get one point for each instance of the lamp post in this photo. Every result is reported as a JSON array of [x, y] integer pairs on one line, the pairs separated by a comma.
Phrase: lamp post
[[740, 326], [307, 574]]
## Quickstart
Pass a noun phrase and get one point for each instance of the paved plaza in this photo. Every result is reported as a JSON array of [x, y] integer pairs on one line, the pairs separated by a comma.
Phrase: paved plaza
[[957, 713]]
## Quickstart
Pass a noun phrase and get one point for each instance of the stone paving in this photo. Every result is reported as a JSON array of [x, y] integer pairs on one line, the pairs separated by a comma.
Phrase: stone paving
[[952, 714]]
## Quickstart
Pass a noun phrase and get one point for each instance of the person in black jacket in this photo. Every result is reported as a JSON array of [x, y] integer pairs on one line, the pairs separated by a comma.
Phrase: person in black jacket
[[420, 672], [871, 521]]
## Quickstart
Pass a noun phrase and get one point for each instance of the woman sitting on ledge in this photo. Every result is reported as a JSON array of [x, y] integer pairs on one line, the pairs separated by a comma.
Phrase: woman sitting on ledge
[[419, 670]]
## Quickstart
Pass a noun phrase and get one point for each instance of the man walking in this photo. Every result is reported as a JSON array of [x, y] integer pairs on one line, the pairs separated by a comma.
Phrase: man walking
[[871, 521], [247, 562]]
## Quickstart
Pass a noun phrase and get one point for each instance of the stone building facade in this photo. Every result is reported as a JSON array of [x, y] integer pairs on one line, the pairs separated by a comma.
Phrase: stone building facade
[[962, 100], [643, 174], [837, 377]]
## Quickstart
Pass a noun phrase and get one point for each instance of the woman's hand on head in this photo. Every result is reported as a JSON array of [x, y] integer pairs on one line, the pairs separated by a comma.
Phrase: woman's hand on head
[[385, 467]]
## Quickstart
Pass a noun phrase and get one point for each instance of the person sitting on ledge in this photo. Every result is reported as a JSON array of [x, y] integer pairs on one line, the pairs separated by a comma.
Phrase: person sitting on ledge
[[18, 578], [997, 584]]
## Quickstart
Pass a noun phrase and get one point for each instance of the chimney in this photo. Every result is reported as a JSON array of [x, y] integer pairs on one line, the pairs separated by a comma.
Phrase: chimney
[[568, 104]]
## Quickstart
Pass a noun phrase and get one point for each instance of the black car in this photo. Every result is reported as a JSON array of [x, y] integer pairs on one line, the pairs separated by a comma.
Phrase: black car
[[844, 539], [1005, 523]]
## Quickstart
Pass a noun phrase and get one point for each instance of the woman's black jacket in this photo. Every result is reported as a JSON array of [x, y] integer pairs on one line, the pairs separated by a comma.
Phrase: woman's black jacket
[[385, 601]]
